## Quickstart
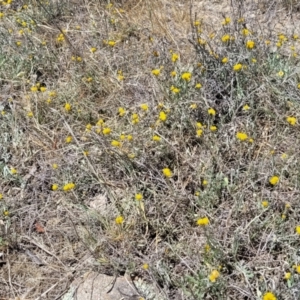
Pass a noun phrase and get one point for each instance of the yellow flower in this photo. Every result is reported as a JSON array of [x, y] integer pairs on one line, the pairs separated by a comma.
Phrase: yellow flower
[[280, 73], [298, 86], [298, 269], [213, 128], [174, 89], [284, 156], [106, 131], [174, 57], [237, 67], [250, 44], [186, 76], [214, 275], [52, 94], [225, 60], [88, 127], [167, 172], [43, 89], [18, 43], [269, 296], [144, 107], [226, 21], [204, 182], [246, 107], [68, 186], [54, 187], [68, 139], [162, 116], [145, 266], [242, 136], [138, 197], [34, 88], [282, 38], [68, 106], [131, 155], [265, 204], [156, 138], [122, 111], [268, 42], [254, 60], [274, 180], [295, 36], [206, 248], [201, 41], [203, 221], [60, 38], [111, 43], [6, 213], [54, 166], [211, 111], [198, 86], [120, 77], [173, 73], [160, 105], [93, 49], [199, 132], [119, 220], [287, 275], [135, 118], [13, 171], [30, 114], [246, 32], [115, 143], [1, 196], [197, 23], [298, 229], [1, 15], [100, 122], [155, 72], [291, 120], [199, 125], [193, 106], [225, 38]]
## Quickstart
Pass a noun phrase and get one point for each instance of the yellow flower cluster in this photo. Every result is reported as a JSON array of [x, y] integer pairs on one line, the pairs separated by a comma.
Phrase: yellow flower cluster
[[269, 296], [167, 172], [68, 186], [203, 221], [242, 136], [274, 180], [214, 275], [174, 89], [119, 220], [186, 76]]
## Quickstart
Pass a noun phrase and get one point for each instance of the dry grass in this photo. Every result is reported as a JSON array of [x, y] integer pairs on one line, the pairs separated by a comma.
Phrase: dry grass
[[48, 236]]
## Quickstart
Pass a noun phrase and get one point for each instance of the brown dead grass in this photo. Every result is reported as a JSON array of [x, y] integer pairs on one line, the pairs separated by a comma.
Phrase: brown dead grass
[[253, 246]]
